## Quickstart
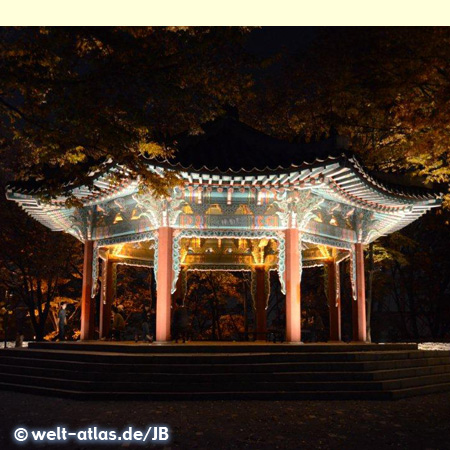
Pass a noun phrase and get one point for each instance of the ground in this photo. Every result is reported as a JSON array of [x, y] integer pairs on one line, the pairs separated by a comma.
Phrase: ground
[[415, 423]]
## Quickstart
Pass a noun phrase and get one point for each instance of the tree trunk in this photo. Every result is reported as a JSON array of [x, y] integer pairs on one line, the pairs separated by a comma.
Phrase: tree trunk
[[40, 329], [215, 310], [152, 288], [213, 313], [399, 300], [219, 329], [408, 281]]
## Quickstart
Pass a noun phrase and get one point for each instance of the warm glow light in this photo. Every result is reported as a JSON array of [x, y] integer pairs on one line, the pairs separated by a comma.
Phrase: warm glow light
[[117, 249], [214, 209], [324, 251], [118, 218], [135, 215], [243, 209]]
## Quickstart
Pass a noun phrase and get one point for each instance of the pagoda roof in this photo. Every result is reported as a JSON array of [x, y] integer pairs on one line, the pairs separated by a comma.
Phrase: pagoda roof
[[230, 149], [227, 145]]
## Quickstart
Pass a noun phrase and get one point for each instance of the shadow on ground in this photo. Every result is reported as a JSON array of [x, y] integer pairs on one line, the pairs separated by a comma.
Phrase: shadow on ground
[[415, 423]]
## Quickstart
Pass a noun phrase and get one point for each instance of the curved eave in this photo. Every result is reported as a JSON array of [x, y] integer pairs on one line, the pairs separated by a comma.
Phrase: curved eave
[[354, 184], [341, 178], [275, 173], [102, 187], [54, 217]]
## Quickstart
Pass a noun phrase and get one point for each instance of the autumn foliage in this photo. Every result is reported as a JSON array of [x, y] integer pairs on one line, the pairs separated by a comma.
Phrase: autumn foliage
[[75, 101]]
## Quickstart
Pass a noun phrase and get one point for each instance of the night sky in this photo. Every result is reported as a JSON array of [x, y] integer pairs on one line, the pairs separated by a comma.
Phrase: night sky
[[267, 41]]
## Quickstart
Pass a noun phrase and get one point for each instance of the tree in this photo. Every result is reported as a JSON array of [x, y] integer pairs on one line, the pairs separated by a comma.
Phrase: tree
[[74, 100], [36, 264], [386, 89], [207, 299], [412, 277]]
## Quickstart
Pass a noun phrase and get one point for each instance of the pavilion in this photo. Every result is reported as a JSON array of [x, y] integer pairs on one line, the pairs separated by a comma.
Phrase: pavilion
[[246, 202]]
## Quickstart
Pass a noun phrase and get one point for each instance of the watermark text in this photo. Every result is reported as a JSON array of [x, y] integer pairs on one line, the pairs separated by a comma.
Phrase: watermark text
[[93, 434]]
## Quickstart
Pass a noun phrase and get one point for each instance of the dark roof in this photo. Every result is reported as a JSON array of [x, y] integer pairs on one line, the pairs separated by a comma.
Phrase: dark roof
[[228, 145], [60, 177]]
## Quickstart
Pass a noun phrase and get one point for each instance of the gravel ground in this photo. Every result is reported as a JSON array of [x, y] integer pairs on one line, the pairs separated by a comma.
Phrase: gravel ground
[[415, 423]]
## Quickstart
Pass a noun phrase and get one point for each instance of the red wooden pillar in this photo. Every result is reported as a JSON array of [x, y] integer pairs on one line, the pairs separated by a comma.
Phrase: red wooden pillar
[[359, 306], [260, 303], [163, 296], [334, 301], [293, 308], [87, 302], [106, 299]]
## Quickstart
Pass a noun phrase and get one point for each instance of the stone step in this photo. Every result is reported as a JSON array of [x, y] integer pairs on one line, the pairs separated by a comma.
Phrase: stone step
[[185, 386], [220, 347], [111, 365], [231, 395], [404, 363], [259, 373], [219, 386], [220, 358], [158, 376], [419, 390], [411, 382], [176, 396]]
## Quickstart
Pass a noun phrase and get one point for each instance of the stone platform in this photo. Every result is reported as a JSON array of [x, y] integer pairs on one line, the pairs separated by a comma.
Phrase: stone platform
[[203, 370], [216, 347]]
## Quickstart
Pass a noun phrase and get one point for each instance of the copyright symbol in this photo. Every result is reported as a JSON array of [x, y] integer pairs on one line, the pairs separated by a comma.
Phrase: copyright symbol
[[21, 434]]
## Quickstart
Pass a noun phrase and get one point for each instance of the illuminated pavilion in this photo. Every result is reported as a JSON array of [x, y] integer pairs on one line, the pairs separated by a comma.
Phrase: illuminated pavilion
[[246, 202]]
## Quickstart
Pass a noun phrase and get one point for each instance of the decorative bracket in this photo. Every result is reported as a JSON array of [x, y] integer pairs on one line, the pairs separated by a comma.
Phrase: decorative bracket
[[160, 211], [82, 221], [297, 208]]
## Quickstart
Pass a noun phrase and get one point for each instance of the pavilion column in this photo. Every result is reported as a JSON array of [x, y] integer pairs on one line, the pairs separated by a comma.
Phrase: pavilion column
[[359, 306], [164, 276], [334, 301], [260, 303], [293, 308], [87, 302], [106, 299]]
